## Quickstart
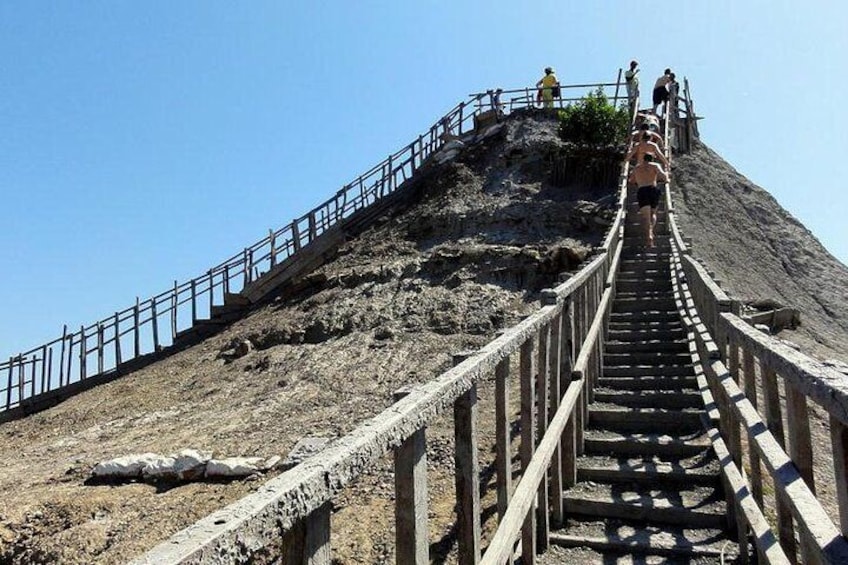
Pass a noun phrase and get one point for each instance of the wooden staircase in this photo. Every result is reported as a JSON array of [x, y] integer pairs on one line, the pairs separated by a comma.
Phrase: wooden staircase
[[648, 484]]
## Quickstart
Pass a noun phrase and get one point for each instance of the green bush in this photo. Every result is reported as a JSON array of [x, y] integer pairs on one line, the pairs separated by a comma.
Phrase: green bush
[[594, 121]]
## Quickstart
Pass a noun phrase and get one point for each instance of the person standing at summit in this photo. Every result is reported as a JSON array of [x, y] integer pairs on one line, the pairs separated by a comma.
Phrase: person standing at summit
[[631, 80], [660, 94], [547, 85]]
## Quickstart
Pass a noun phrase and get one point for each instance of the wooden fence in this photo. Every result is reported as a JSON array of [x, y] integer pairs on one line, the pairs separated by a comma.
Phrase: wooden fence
[[765, 441], [98, 352]]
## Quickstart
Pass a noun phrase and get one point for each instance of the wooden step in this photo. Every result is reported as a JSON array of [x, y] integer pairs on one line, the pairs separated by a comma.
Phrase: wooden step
[[655, 346], [647, 334], [646, 358], [648, 371], [647, 398], [618, 444], [643, 420], [644, 304], [649, 382], [694, 507], [658, 316], [702, 468], [638, 285], [627, 542]]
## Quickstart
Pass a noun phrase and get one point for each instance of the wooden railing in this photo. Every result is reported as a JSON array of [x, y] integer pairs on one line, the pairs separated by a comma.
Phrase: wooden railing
[[768, 465], [100, 351], [559, 350]]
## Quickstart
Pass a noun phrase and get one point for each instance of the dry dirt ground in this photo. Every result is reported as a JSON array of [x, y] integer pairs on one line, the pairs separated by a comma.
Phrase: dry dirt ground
[[438, 275]]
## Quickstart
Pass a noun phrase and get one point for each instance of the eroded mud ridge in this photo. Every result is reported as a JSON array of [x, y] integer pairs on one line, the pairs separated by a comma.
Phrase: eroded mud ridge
[[461, 258]]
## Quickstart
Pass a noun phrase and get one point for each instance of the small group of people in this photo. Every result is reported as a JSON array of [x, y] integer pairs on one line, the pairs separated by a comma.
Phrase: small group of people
[[664, 87], [647, 148]]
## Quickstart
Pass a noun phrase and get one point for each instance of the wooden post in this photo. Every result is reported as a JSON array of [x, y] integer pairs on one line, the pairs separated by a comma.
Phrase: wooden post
[[155, 320], [555, 473], [308, 542], [272, 239], [174, 306], [45, 367], [32, 378], [800, 448], [194, 301], [412, 543], [117, 340], [543, 527], [70, 358], [313, 230], [136, 336], [62, 357], [9, 383], [467, 475], [296, 232], [751, 393], [839, 441], [771, 399], [45, 386], [99, 348], [82, 353], [503, 457], [528, 445]]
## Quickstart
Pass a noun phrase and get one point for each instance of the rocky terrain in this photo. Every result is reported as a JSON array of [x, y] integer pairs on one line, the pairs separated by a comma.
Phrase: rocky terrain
[[440, 273]]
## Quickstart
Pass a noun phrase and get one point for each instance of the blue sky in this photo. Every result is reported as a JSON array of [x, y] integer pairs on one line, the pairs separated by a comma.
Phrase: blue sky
[[143, 142]]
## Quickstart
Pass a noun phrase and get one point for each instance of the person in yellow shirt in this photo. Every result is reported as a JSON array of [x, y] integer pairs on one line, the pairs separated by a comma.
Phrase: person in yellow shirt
[[547, 85]]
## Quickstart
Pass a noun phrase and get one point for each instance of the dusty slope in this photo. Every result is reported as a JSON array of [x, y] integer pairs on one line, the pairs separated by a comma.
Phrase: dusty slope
[[429, 280], [760, 251]]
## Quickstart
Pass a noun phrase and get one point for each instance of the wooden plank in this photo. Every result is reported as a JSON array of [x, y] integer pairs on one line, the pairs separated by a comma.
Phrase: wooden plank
[[839, 442], [82, 353], [117, 324], [155, 319], [412, 544], [62, 357], [528, 442], [136, 336], [503, 452], [734, 439], [99, 348]]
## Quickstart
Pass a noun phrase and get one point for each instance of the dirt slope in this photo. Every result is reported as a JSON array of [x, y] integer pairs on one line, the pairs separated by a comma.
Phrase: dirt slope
[[463, 259], [760, 251]]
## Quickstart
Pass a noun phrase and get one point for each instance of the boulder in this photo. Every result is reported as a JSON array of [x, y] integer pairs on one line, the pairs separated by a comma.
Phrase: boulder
[[126, 467]]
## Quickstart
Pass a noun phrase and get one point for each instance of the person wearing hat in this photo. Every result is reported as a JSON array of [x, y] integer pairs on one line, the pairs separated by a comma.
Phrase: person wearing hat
[[547, 84]]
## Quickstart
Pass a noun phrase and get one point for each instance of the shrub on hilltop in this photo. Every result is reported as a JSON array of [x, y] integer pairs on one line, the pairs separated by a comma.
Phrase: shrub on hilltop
[[594, 121]]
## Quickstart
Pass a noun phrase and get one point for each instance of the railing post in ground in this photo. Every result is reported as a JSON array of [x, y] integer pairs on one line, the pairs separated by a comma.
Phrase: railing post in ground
[[272, 239], [412, 544], [542, 378], [467, 473], [82, 353], [528, 445], [839, 441], [155, 319], [194, 301], [801, 451], [9, 383], [62, 357], [136, 336], [174, 306], [555, 473], [734, 439], [45, 366], [117, 341], [749, 369], [99, 348], [296, 233], [800, 447], [503, 457], [308, 541], [774, 419]]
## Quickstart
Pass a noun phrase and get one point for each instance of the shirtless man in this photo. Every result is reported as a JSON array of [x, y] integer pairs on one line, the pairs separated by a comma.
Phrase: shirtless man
[[655, 137], [646, 147], [660, 94], [646, 175]]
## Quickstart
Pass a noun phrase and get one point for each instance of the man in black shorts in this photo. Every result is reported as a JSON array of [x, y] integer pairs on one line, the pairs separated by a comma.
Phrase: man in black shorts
[[660, 94], [645, 175]]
